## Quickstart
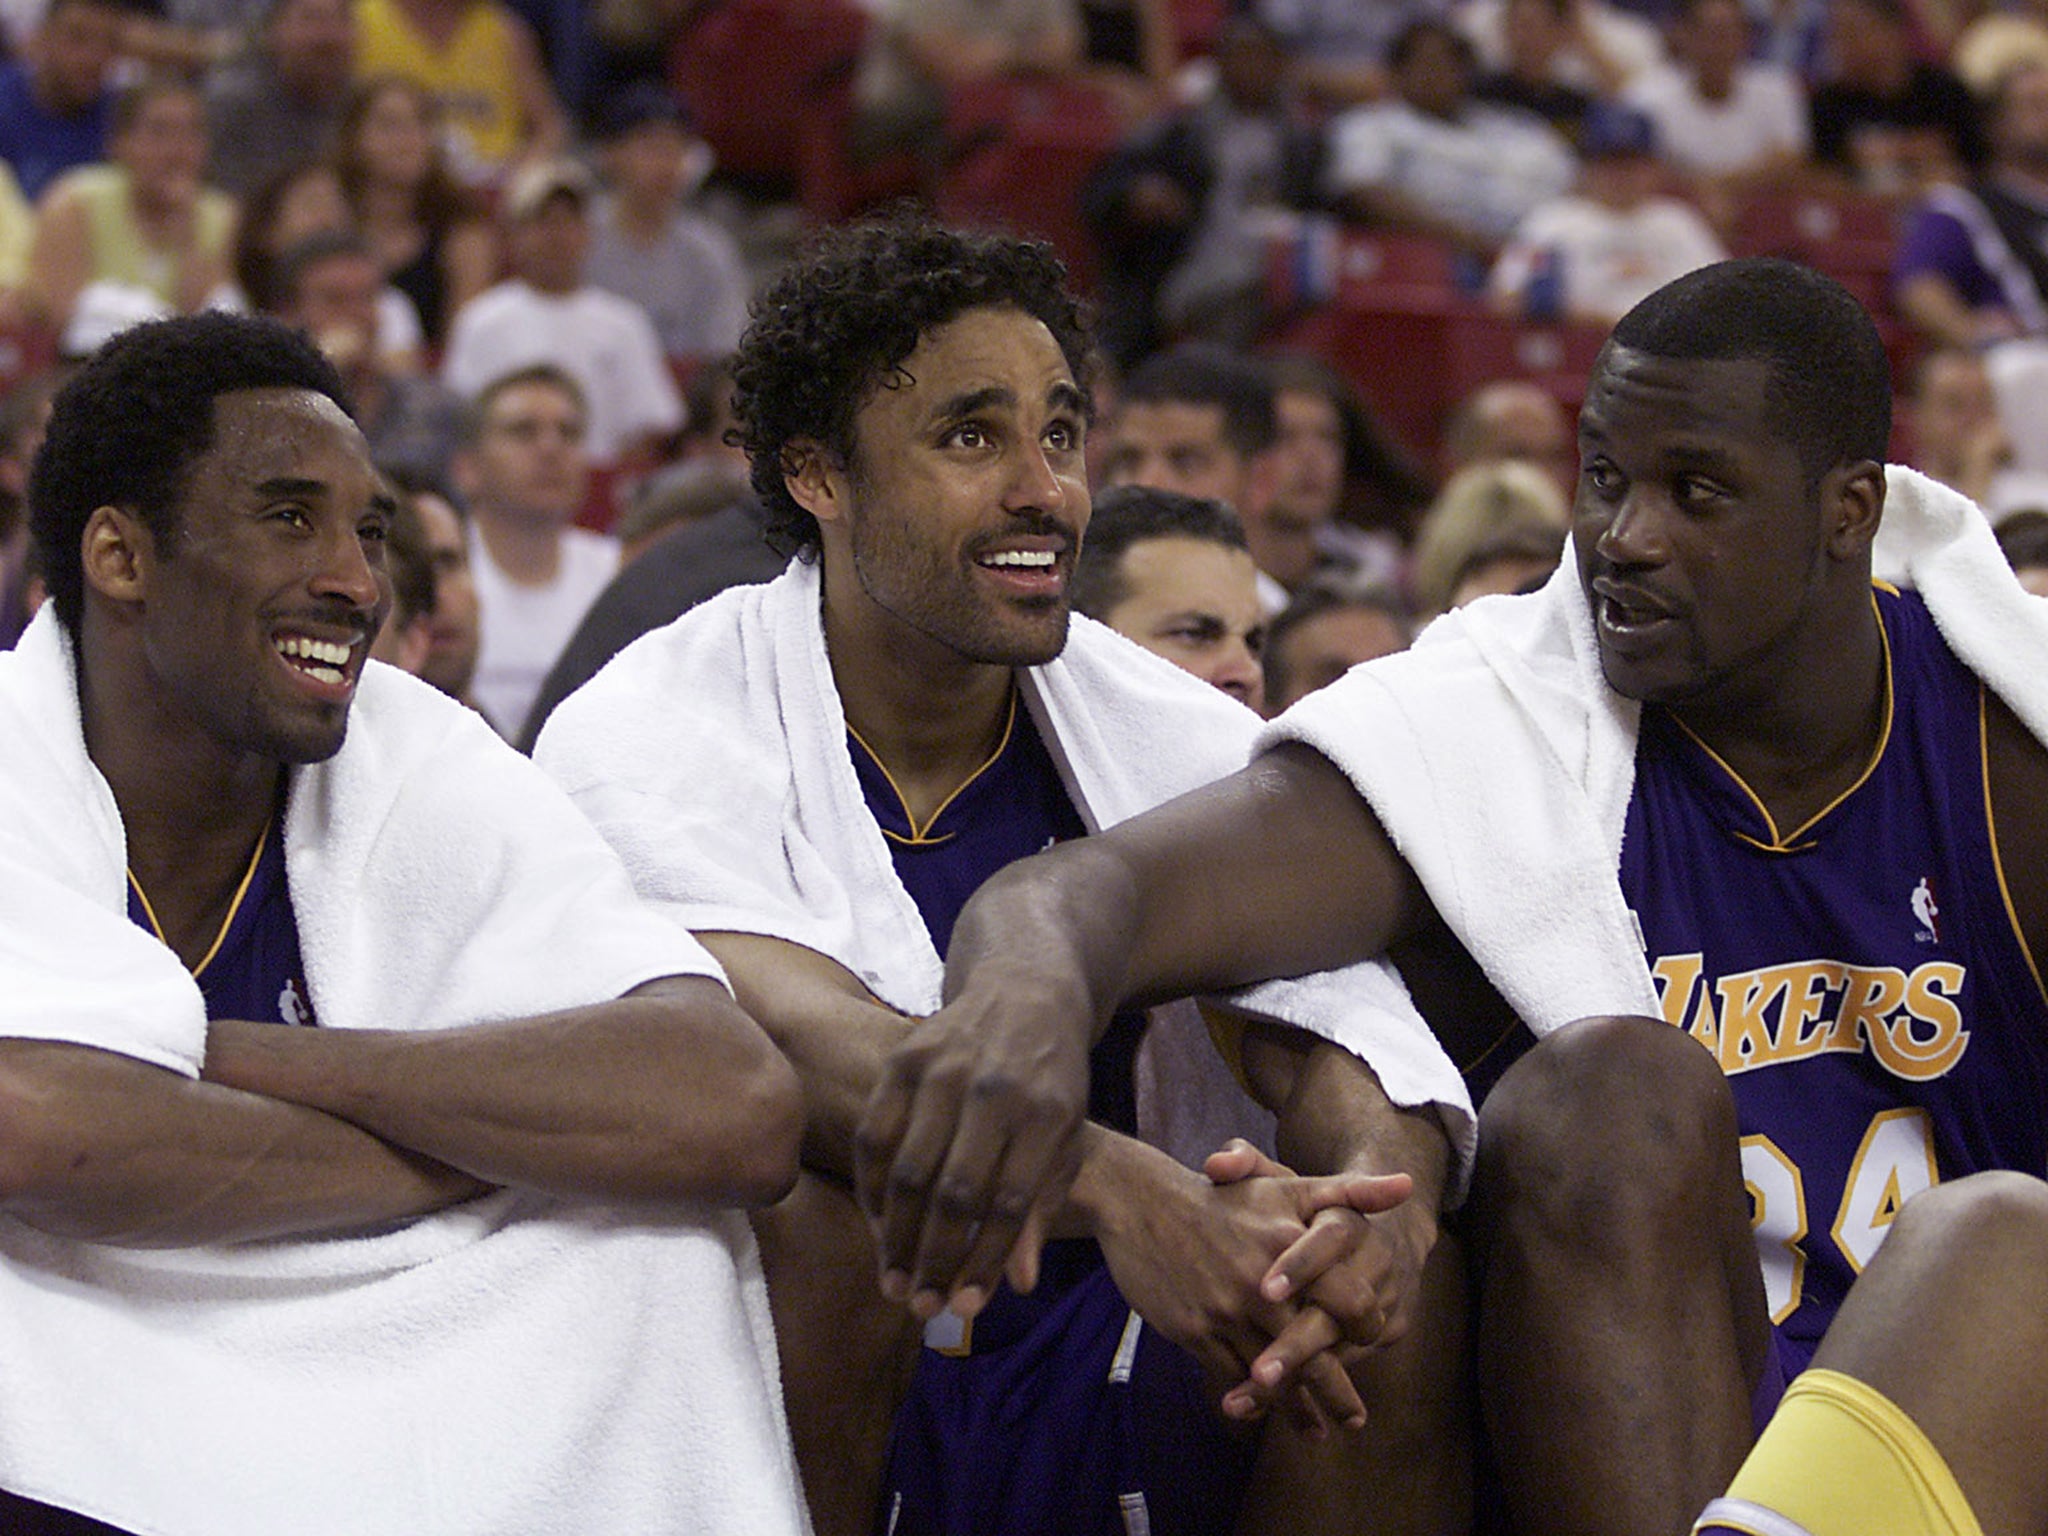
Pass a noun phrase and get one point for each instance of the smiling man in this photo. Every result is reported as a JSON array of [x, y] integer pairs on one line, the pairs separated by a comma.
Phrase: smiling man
[[340, 1069], [1709, 787], [816, 773]]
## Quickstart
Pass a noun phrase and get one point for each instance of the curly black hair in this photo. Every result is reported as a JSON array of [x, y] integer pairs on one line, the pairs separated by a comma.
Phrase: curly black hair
[[128, 427], [842, 318]]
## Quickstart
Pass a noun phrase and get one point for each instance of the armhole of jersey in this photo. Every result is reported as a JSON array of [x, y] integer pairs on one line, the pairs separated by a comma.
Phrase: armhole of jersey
[[2012, 915]]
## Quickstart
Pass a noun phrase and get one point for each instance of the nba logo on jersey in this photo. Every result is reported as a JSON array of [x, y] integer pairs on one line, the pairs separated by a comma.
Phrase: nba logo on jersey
[[1925, 912]]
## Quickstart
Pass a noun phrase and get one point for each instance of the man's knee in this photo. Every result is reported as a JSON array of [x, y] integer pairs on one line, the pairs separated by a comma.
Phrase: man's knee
[[1997, 1219], [1606, 1112]]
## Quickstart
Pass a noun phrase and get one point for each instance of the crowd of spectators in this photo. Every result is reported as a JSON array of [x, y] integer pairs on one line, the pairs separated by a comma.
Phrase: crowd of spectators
[[451, 193]]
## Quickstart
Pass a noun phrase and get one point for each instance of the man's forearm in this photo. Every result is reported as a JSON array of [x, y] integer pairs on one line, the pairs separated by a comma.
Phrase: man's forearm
[[104, 1148], [668, 1093]]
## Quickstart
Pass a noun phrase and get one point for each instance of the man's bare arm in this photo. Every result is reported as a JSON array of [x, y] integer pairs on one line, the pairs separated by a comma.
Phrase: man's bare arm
[[670, 1092], [1188, 1255], [105, 1148], [1279, 870]]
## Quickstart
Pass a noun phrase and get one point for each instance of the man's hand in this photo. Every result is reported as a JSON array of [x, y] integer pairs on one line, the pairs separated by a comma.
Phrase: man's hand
[[1195, 1258], [1354, 1280], [968, 1146]]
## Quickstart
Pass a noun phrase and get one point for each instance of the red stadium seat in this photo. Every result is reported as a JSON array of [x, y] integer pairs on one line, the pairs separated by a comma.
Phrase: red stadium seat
[[754, 71]]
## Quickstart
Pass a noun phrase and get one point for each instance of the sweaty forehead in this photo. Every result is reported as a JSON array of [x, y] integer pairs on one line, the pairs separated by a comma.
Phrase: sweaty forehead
[[976, 352], [1637, 399], [258, 433]]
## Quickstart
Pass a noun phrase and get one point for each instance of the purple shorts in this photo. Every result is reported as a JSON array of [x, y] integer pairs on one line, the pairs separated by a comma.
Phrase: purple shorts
[[1068, 1417]]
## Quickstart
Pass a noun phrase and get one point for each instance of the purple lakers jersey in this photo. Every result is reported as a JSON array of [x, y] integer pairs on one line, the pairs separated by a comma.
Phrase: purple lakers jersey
[[253, 970], [1859, 978]]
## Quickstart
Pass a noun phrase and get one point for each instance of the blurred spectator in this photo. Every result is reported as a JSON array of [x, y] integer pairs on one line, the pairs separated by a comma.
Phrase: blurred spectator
[[2024, 538], [680, 266], [1344, 494], [1726, 122], [1337, 50], [1998, 42], [17, 239], [522, 471], [1603, 47], [1961, 438], [299, 202], [452, 636], [1487, 509], [1326, 630], [1199, 420], [1517, 559], [679, 496], [280, 101], [546, 313], [140, 228], [1593, 254], [708, 417], [55, 100], [407, 634], [329, 286], [1507, 420], [1433, 161], [1972, 267], [431, 237], [480, 62], [920, 51], [1534, 35], [1175, 209], [1172, 573], [1887, 121]]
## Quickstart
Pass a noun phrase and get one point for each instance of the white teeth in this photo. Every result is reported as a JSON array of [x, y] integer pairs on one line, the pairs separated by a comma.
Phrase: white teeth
[[1029, 559], [314, 650], [326, 675]]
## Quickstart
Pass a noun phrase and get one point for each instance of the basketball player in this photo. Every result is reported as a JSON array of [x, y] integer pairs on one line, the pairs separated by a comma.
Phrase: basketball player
[[1836, 861], [413, 980], [860, 743]]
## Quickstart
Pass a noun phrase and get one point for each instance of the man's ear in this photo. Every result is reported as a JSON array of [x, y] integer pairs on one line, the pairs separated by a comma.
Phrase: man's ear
[[1854, 506], [117, 551], [815, 479]]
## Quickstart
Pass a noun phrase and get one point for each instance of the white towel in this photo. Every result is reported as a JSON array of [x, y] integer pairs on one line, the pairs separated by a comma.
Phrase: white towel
[[1501, 763], [712, 754], [513, 1365]]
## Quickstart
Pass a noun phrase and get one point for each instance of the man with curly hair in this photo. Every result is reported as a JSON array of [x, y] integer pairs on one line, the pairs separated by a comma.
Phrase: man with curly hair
[[366, 1150], [815, 774]]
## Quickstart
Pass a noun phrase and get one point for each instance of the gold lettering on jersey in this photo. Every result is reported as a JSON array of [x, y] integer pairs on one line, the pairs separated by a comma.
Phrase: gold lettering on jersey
[[1909, 1021]]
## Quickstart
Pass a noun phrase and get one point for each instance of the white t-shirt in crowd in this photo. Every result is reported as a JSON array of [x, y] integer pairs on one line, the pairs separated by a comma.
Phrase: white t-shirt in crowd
[[1765, 113], [523, 629]]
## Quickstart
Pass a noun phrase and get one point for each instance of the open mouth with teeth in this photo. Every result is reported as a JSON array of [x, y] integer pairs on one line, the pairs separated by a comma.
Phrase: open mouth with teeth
[[324, 661], [1021, 559]]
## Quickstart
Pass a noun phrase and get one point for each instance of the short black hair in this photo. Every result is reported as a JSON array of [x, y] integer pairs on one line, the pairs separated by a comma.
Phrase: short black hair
[[1828, 388], [2023, 537], [1203, 373], [1132, 514], [839, 321], [128, 426]]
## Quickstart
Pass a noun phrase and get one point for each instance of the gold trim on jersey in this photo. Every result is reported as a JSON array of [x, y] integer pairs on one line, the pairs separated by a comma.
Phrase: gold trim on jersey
[[1785, 843], [2012, 914], [919, 837], [226, 923]]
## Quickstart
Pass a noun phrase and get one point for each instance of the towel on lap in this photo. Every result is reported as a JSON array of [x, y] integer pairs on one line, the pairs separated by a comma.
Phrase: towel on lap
[[514, 1364], [712, 754]]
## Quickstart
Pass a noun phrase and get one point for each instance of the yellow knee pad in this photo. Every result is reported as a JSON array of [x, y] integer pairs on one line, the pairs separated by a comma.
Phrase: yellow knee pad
[[1841, 1459]]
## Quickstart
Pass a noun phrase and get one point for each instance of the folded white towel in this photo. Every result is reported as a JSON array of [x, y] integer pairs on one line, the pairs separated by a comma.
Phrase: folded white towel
[[1501, 763], [712, 754], [512, 1365]]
